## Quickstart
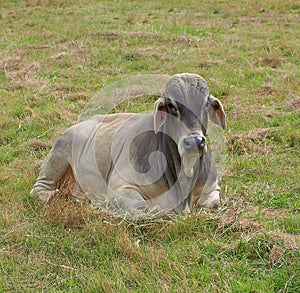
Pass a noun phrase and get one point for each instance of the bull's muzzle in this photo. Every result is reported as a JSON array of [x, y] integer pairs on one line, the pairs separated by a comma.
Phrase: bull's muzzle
[[190, 148], [194, 144]]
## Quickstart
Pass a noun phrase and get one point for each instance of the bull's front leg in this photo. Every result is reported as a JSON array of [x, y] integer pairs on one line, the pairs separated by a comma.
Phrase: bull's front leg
[[209, 198]]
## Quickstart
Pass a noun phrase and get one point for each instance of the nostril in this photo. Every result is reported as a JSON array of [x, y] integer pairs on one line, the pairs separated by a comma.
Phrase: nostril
[[200, 141]]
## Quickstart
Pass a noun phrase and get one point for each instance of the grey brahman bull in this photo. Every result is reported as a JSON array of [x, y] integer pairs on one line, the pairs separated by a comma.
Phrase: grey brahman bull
[[158, 159]]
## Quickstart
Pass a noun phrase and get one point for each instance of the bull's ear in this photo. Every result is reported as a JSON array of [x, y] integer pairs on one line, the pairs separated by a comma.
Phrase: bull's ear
[[160, 114], [216, 112]]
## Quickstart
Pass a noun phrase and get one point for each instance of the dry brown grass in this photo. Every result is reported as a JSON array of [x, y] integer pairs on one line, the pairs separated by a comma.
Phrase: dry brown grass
[[253, 141], [19, 70], [38, 144], [270, 62], [64, 210]]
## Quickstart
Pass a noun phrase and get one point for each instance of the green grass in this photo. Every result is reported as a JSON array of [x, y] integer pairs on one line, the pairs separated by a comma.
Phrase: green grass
[[56, 55]]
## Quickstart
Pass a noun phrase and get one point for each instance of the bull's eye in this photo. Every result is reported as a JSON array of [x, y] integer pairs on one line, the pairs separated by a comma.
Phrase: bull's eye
[[172, 109]]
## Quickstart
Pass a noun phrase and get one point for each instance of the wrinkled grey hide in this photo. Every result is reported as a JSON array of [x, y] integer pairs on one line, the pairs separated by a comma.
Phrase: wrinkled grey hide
[[142, 160]]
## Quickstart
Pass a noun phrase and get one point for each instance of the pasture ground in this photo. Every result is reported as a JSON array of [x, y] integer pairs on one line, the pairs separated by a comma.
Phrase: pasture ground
[[55, 55]]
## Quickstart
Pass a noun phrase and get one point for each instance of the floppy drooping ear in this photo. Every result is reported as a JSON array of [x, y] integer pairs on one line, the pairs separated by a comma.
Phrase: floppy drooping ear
[[216, 112], [160, 114]]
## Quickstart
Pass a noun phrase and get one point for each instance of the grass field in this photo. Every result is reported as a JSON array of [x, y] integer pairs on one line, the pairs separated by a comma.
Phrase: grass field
[[56, 55]]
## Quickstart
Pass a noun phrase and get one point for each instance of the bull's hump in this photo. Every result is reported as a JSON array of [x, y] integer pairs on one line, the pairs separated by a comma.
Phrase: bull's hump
[[111, 117], [118, 117]]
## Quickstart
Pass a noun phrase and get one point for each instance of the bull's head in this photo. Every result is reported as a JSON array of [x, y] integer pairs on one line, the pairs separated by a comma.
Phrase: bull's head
[[184, 110]]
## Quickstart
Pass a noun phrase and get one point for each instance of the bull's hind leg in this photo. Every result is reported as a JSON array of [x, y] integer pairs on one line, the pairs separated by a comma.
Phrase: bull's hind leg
[[54, 167]]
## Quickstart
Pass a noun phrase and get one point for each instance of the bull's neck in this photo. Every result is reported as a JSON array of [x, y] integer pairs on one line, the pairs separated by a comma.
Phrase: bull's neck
[[174, 174]]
